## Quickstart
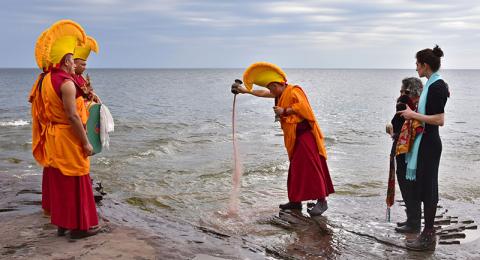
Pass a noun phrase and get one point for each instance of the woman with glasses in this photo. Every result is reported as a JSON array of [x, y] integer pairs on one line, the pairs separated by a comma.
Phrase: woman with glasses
[[409, 94]]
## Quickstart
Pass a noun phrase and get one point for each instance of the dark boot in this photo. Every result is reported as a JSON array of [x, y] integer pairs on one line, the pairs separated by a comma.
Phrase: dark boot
[[426, 241], [414, 213], [61, 231], [320, 207], [413, 223], [79, 234], [408, 229], [291, 205]]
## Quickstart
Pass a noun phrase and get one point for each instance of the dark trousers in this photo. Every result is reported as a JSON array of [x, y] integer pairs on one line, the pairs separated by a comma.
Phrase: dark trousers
[[407, 188]]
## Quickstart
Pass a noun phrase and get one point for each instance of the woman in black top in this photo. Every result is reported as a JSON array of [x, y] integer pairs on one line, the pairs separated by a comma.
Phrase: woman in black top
[[430, 149]]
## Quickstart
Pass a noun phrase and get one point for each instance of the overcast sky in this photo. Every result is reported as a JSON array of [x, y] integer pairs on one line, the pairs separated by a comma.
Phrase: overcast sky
[[233, 34]]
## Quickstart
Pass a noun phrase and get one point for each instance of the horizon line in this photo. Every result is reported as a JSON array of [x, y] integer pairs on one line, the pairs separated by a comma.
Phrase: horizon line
[[216, 68]]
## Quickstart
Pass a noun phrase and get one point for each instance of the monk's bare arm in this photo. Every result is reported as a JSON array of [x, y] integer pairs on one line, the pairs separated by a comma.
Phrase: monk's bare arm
[[69, 105], [256, 92], [262, 93]]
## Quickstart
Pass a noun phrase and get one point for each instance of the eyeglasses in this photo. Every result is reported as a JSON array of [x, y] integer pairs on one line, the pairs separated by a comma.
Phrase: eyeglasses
[[405, 91]]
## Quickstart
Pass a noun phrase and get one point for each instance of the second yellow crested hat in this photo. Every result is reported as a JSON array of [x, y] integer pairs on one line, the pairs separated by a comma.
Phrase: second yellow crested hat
[[82, 52], [263, 73], [57, 41]]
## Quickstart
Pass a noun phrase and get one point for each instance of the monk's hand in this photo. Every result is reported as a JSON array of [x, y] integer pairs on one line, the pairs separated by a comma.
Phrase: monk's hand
[[238, 89], [87, 149], [407, 113], [95, 98], [278, 110]]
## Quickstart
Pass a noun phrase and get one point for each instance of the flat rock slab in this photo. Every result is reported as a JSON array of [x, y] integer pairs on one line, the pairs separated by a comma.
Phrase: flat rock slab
[[449, 242], [449, 228], [452, 235]]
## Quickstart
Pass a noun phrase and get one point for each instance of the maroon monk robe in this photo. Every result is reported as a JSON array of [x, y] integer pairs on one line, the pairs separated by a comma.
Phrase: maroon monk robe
[[308, 175]]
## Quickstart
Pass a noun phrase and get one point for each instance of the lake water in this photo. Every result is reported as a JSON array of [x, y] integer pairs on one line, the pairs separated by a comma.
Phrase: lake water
[[171, 151]]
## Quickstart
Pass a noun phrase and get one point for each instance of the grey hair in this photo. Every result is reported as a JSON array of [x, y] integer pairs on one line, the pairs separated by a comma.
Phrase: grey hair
[[414, 85]]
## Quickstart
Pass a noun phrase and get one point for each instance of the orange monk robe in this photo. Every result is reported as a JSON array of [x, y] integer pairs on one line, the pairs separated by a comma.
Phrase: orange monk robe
[[39, 122], [63, 149], [80, 80], [295, 98]]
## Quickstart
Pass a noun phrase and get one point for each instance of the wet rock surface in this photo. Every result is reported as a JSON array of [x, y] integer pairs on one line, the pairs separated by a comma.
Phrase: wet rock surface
[[363, 234], [127, 232], [352, 228]]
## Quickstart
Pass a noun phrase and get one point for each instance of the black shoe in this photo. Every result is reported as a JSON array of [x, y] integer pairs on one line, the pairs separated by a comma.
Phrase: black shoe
[[407, 229], [291, 205], [61, 231], [424, 242], [401, 224], [79, 234]]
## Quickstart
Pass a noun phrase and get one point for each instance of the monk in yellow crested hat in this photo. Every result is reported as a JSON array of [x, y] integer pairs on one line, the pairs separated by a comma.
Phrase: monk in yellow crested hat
[[262, 74], [80, 57], [59, 140], [308, 174]]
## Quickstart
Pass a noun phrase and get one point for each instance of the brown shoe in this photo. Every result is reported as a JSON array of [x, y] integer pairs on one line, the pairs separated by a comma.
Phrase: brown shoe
[[426, 241]]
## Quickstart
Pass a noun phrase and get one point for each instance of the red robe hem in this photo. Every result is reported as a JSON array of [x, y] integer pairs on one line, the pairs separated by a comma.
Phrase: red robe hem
[[72, 205], [308, 174]]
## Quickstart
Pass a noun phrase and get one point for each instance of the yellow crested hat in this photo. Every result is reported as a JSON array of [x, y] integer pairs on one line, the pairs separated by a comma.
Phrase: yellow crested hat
[[39, 47], [263, 73], [82, 52], [57, 41]]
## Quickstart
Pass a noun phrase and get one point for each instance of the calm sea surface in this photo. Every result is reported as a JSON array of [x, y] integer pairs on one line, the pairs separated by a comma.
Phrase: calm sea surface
[[171, 151]]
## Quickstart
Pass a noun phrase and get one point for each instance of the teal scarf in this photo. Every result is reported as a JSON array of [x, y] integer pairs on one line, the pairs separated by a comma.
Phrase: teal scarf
[[412, 157]]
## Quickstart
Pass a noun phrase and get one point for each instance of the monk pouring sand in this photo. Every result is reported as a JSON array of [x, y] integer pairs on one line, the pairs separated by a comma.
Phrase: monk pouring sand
[[308, 175]]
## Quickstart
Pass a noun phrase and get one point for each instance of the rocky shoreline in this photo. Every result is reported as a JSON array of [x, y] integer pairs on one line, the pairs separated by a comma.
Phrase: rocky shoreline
[[347, 231], [126, 232]]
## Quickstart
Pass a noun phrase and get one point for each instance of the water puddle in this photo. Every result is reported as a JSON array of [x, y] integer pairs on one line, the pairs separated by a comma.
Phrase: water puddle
[[470, 236]]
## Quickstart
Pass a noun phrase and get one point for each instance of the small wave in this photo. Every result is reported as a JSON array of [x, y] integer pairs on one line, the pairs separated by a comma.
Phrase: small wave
[[14, 160], [150, 153], [331, 139], [20, 122], [147, 204], [168, 149], [269, 169], [104, 161]]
